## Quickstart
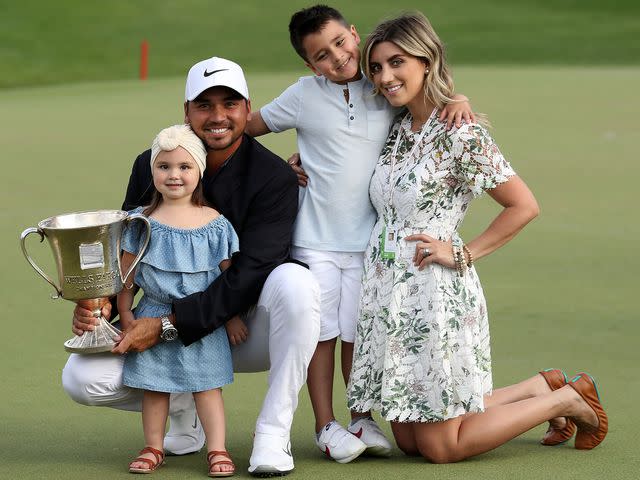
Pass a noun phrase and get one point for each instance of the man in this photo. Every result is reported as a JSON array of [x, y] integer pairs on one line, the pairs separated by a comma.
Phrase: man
[[278, 299]]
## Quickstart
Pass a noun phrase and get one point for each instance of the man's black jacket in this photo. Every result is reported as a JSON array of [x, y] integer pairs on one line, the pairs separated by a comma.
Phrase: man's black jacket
[[258, 193]]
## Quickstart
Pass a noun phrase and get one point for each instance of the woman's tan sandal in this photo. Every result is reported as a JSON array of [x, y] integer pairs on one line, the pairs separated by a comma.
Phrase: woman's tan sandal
[[159, 461], [590, 436], [556, 379], [223, 453]]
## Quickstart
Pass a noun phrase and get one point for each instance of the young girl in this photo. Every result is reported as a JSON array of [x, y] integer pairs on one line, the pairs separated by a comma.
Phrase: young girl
[[422, 345], [190, 245]]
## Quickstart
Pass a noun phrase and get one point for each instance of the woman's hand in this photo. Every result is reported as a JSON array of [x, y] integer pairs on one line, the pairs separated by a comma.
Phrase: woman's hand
[[430, 250], [457, 112], [237, 331]]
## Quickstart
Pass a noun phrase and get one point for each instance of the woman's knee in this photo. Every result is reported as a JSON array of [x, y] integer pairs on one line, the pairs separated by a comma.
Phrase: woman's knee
[[405, 439], [408, 448], [416, 448], [437, 452], [439, 442]]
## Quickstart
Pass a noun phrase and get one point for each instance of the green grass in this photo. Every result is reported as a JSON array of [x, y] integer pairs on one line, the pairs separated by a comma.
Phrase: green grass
[[44, 42], [562, 294]]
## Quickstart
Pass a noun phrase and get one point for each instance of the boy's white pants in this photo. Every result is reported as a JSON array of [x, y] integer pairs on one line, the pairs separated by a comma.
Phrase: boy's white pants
[[283, 333], [339, 276]]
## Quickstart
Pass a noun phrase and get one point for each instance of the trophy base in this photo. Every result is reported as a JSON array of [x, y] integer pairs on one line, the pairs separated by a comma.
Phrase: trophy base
[[98, 341]]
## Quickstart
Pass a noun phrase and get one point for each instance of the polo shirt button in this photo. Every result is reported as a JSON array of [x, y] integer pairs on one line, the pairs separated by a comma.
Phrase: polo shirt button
[[351, 117], [351, 105]]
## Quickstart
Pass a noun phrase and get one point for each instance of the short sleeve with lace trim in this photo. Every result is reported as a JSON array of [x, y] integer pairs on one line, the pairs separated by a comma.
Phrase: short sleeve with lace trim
[[480, 164]]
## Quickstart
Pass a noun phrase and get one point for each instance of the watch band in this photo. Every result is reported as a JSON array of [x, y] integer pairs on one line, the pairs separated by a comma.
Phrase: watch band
[[169, 331]]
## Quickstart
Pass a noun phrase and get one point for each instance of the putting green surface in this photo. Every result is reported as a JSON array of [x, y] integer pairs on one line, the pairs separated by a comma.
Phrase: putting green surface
[[562, 294]]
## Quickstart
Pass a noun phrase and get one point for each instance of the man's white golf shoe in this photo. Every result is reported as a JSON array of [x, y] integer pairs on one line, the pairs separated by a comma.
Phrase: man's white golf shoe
[[271, 456], [185, 434]]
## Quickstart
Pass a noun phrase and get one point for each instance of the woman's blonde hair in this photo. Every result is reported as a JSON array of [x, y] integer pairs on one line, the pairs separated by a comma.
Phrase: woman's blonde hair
[[413, 33]]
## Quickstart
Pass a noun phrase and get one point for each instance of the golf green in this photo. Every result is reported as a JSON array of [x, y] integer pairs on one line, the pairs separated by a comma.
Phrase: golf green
[[560, 295]]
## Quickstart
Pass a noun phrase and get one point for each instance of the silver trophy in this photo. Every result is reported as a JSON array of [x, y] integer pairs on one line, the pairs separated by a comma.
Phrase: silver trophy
[[86, 249]]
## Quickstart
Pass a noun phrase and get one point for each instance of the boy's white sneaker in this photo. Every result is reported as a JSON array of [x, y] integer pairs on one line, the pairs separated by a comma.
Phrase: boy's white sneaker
[[271, 456], [338, 443], [368, 431], [185, 434]]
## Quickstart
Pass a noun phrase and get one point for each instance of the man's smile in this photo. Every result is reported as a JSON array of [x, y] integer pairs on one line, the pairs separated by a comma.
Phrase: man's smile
[[217, 131]]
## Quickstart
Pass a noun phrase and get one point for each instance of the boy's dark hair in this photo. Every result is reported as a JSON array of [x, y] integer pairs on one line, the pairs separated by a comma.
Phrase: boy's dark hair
[[311, 20]]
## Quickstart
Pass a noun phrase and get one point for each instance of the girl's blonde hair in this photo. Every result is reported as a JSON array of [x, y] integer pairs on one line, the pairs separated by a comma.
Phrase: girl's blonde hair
[[413, 33]]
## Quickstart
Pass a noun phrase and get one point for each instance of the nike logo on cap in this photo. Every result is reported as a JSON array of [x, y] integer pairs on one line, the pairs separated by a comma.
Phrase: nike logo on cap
[[208, 74]]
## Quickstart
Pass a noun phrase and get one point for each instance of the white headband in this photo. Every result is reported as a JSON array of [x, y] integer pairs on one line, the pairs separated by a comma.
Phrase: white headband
[[180, 136]]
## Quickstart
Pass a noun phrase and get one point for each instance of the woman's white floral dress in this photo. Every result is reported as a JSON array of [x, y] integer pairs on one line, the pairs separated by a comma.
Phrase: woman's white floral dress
[[422, 345]]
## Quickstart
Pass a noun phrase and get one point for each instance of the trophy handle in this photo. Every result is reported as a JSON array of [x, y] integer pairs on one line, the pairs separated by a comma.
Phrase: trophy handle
[[145, 220], [23, 237]]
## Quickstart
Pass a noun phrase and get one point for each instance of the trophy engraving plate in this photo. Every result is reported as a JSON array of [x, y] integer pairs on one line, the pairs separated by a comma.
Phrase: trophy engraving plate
[[91, 255]]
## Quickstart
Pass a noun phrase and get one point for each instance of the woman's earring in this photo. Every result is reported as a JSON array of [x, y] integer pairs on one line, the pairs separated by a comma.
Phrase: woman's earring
[[426, 71]]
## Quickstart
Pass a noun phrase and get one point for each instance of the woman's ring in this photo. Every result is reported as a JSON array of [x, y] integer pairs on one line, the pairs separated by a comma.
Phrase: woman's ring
[[426, 252]]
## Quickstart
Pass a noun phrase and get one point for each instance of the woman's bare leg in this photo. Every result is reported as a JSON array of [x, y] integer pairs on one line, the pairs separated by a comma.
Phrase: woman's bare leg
[[463, 437], [405, 438], [529, 388]]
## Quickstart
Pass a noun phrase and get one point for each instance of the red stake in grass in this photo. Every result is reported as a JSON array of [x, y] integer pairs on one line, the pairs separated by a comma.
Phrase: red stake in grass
[[144, 59]]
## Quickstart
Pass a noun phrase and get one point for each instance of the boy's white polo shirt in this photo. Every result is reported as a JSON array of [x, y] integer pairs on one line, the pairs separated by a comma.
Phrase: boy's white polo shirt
[[339, 145]]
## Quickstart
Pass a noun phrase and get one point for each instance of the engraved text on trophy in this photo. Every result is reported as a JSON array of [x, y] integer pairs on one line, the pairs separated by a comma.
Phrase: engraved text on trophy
[[96, 281]]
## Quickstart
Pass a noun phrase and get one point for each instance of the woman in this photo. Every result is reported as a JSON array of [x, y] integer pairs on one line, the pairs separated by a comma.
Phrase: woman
[[422, 348]]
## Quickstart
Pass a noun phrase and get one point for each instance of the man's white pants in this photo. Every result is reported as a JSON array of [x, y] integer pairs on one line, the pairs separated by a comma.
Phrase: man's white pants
[[284, 327]]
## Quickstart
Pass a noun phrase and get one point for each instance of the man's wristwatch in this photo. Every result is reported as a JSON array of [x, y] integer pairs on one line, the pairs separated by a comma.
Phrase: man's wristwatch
[[169, 332]]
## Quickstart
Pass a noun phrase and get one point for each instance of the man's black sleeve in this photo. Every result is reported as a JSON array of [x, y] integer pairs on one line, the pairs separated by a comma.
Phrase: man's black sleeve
[[140, 187], [265, 238]]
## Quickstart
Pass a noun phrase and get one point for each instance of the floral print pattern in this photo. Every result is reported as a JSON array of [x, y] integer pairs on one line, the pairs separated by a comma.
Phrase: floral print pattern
[[422, 349]]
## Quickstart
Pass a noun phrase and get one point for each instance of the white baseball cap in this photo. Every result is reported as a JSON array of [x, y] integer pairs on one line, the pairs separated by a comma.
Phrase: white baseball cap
[[180, 136], [215, 72]]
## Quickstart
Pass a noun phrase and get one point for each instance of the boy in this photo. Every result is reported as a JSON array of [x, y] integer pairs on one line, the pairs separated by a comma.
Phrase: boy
[[341, 128]]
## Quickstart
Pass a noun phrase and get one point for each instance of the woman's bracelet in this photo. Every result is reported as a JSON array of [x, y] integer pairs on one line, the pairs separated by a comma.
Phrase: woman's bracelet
[[470, 257], [458, 259]]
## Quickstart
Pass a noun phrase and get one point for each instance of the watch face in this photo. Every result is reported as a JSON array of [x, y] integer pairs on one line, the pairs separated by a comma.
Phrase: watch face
[[169, 334]]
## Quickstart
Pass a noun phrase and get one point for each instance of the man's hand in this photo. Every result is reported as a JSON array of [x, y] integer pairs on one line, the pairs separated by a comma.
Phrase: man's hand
[[237, 331], [84, 321], [143, 334], [457, 112], [295, 163]]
